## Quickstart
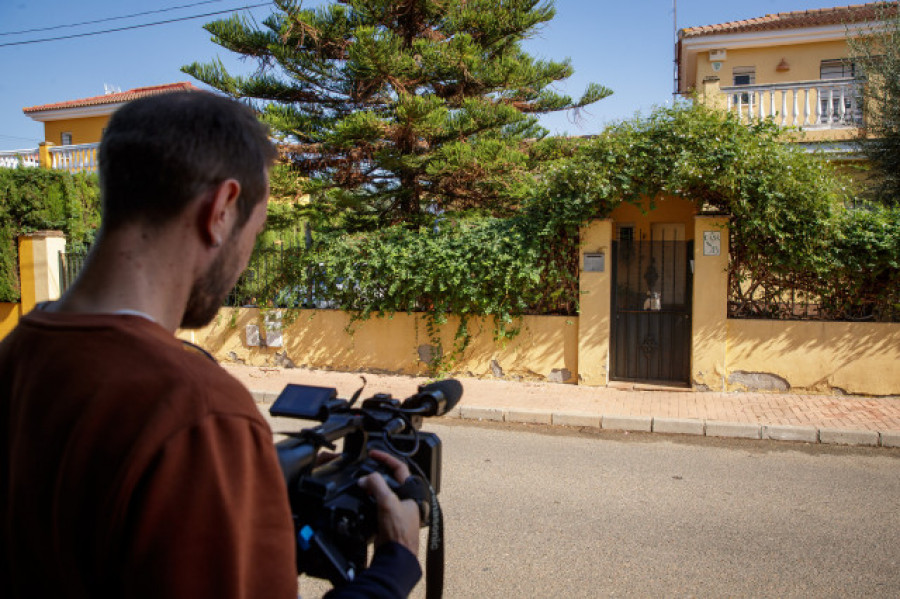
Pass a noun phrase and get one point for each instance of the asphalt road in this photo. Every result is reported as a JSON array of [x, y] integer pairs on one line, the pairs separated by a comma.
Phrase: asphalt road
[[538, 512]]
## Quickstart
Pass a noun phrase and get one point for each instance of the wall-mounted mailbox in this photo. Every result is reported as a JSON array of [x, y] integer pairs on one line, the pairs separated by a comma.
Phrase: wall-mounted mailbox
[[594, 262]]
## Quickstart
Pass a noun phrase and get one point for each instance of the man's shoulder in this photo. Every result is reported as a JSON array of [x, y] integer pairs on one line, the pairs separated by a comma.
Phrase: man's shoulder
[[217, 391], [130, 357], [190, 379]]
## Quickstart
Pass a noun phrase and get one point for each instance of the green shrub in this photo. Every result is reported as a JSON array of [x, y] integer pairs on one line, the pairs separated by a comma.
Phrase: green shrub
[[33, 199]]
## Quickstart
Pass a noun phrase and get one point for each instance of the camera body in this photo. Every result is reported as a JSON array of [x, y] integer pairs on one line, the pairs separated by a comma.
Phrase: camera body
[[335, 520]]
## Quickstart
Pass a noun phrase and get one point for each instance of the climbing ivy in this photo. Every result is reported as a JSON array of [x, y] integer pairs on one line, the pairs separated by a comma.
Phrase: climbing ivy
[[798, 232]]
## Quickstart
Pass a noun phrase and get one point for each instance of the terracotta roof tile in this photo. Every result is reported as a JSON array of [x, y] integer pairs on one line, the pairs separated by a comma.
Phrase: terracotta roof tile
[[115, 98], [838, 15]]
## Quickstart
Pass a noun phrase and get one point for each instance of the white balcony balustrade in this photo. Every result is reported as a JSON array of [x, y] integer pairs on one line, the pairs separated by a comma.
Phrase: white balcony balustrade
[[17, 158], [820, 104], [77, 158]]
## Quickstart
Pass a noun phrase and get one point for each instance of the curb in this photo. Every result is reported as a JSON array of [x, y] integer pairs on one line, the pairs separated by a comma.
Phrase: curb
[[636, 424], [668, 426], [679, 426], [682, 426], [805, 434], [841, 437]]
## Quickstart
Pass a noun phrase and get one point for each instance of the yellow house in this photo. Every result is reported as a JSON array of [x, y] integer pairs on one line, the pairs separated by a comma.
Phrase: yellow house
[[793, 67], [75, 122]]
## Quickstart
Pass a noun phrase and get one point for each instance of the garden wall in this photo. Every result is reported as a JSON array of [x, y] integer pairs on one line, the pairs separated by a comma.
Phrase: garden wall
[[546, 348], [831, 357], [9, 317]]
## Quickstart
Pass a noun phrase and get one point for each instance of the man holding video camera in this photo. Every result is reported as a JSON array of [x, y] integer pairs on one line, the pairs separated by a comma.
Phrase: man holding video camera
[[131, 464]]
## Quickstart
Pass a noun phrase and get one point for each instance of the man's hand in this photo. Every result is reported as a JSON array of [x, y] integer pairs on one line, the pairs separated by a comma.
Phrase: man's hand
[[397, 520]]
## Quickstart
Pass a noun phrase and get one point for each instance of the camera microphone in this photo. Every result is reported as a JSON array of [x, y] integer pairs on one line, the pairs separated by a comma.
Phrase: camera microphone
[[435, 399]]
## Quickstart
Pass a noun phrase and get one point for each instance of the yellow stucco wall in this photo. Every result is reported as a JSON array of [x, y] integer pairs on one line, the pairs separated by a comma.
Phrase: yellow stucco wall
[[665, 210], [9, 318], [858, 358], [39, 279], [27, 273], [84, 130], [594, 320], [545, 348], [709, 341], [803, 60]]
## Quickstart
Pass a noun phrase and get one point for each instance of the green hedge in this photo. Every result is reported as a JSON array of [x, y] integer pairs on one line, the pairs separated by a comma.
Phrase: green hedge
[[34, 199]]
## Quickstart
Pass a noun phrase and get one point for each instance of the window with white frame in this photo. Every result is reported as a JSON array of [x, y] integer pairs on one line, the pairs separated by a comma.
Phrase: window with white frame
[[743, 76], [65, 138], [838, 68]]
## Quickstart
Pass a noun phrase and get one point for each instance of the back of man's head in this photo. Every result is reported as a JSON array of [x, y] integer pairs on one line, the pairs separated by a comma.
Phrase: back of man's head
[[159, 153]]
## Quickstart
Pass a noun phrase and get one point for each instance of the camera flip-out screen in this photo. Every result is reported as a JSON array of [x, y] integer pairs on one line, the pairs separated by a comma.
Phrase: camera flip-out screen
[[303, 401]]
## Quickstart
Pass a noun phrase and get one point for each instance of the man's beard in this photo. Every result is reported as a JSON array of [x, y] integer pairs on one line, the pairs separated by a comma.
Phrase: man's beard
[[209, 292]]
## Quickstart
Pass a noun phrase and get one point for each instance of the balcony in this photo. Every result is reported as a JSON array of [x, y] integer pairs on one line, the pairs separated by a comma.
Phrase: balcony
[[74, 159], [17, 158], [823, 105]]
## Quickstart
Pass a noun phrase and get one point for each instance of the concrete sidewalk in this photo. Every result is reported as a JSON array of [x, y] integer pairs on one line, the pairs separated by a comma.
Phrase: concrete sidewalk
[[873, 421]]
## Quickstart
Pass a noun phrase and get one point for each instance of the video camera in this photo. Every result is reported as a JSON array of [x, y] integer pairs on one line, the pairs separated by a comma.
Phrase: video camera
[[334, 518]]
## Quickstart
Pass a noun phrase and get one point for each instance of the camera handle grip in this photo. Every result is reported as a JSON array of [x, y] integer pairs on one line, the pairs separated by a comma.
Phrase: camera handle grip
[[417, 488], [414, 487]]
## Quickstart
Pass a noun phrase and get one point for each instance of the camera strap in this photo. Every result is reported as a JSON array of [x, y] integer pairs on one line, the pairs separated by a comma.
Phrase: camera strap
[[434, 557], [418, 489]]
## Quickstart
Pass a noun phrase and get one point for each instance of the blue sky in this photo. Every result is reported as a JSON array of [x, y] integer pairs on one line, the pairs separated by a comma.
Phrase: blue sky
[[625, 45]]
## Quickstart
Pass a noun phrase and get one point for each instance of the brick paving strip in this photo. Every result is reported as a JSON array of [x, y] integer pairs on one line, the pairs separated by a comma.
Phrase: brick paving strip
[[844, 420]]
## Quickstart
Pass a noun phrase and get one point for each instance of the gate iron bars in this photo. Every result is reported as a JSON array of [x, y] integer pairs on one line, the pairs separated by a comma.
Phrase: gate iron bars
[[651, 305]]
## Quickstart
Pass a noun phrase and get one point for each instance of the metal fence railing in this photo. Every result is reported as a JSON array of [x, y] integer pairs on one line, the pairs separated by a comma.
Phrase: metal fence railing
[[272, 279], [791, 299], [70, 264]]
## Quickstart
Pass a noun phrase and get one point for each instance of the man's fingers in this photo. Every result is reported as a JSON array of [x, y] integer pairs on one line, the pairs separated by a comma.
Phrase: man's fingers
[[397, 520], [398, 467], [375, 485]]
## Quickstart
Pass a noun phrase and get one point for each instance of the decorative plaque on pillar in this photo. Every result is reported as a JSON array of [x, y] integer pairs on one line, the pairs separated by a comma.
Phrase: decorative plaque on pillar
[[712, 243]]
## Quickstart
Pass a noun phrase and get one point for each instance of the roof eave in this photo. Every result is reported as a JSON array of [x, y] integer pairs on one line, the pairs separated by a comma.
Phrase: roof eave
[[75, 112], [773, 37]]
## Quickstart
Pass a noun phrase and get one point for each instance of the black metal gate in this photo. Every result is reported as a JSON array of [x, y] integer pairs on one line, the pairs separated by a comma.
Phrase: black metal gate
[[651, 306]]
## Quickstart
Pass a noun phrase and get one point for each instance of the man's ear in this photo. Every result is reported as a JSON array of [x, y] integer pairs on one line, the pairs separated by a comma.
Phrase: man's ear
[[219, 212]]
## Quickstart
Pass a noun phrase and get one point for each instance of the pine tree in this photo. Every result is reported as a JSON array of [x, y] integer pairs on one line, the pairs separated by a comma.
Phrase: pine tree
[[398, 110]]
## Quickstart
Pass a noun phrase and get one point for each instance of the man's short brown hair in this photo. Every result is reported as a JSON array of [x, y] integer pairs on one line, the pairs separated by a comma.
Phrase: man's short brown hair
[[161, 152]]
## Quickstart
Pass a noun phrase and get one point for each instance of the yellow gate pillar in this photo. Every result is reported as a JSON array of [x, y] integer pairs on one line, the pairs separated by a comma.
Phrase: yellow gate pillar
[[44, 156], [710, 311], [39, 274], [595, 278]]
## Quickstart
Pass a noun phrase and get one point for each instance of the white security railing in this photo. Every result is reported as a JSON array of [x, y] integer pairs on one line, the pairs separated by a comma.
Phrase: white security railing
[[820, 104], [81, 157], [17, 158]]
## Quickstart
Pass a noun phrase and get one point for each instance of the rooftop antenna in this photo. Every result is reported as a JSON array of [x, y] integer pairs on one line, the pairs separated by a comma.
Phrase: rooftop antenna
[[111, 89], [675, 46]]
